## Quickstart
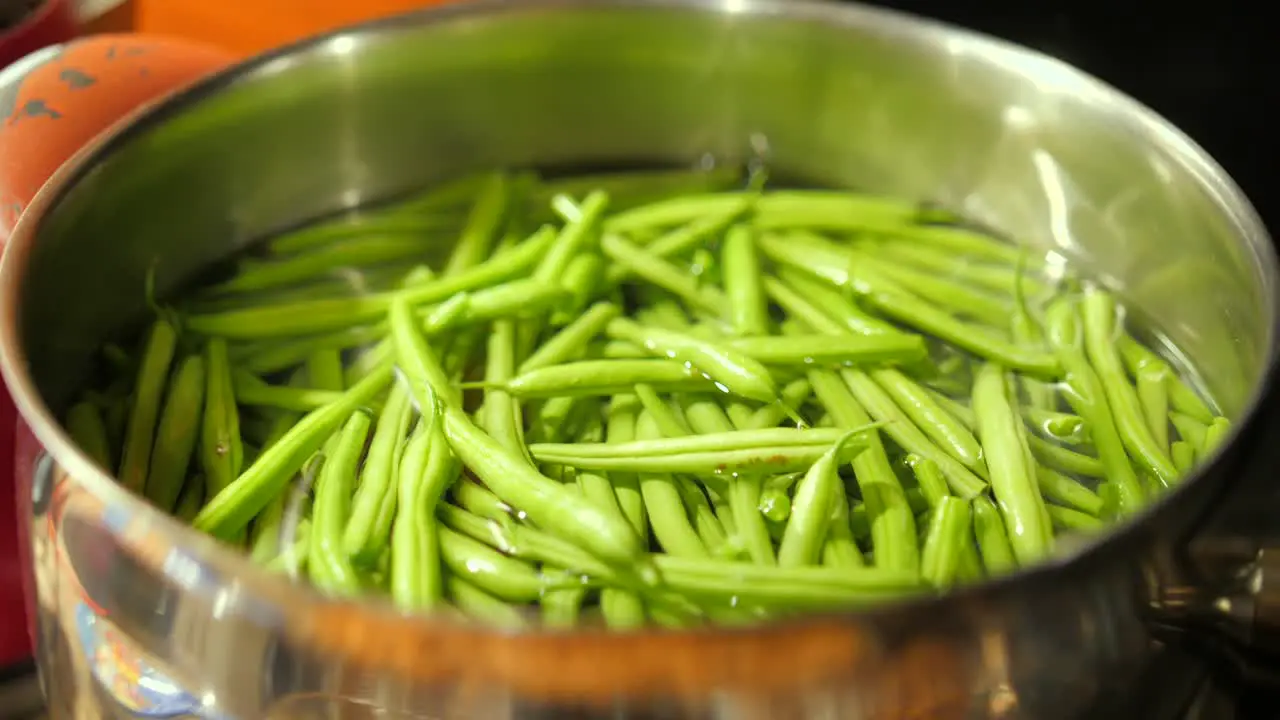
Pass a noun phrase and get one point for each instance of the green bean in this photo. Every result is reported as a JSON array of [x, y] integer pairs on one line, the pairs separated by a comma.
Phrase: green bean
[[829, 350], [734, 371], [251, 390], [190, 499], [630, 189], [415, 578], [1099, 335], [1066, 460], [253, 275], [801, 586], [503, 577], [811, 510], [293, 561], [898, 426], [668, 423], [705, 521], [944, 543], [964, 300], [1059, 426], [686, 237], [663, 274], [484, 223], [89, 432], [1215, 435], [324, 368], [838, 211], [892, 524], [775, 450], [574, 238], [483, 607], [1153, 399], [502, 417], [176, 434], [231, 509], [894, 301], [303, 318], [673, 211], [920, 408], [560, 608], [929, 477], [958, 241], [993, 540], [480, 501], [571, 342], [622, 610], [793, 395], [556, 418], [582, 280], [620, 429], [1068, 519], [1139, 358], [749, 309], [1068, 491], [1184, 456], [840, 549], [545, 501], [664, 504], [960, 266], [1012, 482], [833, 304], [221, 449], [605, 377], [1190, 429], [153, 374], [1084, 390], [373, 506], [330, 567]]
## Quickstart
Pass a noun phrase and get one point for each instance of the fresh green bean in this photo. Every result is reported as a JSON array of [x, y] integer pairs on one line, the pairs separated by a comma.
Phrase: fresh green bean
[[821, 297], [980, 273], [944, 543], [481, 606], [231, 509], [221, 448], [1099, 337], [891, 521], [153, 375], [796, 586], [811, 510], [620, 429], [561, 608], [660, 412], [303, 318], [254, 275], [830, 350], [190, 499], [176, 434], [508, 475], [962, 299], [1184, 456], [373, 506], [818, 258], [89, 432], [897, 425], [622, 610], [663, 274], [1139, 358], [605, 377], [1068, 519], [502, 416], [664, 505], [993, 540], [920, 408], [324, 368], [252, 390], [1190, 429], [1012, 481], [929, 477], [576, 236], [793, 395], [571, 342], [503, 577], [1215, 435], [484, 223], [747, 303], [827, 210], [1068, 491], [729, 369], [329, 566], [1084, 390]]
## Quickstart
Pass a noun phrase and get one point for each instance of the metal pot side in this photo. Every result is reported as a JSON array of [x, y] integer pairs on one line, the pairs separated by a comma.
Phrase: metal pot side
[[843, 95]]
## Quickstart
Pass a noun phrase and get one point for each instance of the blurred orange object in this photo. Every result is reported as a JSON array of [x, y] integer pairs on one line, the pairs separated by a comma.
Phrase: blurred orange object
[[251, 26]]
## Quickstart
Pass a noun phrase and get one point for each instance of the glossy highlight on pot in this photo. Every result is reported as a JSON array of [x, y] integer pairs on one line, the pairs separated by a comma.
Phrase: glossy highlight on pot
[[668, 398]]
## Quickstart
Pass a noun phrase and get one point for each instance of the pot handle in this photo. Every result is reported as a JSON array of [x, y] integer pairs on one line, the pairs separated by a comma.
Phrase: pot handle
[[1224, 587], [56, 100]]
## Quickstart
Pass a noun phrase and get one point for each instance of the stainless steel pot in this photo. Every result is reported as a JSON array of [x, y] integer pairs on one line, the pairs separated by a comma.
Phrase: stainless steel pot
[[845, 95]]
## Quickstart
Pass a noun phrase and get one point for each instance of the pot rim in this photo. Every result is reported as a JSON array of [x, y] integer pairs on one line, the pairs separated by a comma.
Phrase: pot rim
[[44, 425]]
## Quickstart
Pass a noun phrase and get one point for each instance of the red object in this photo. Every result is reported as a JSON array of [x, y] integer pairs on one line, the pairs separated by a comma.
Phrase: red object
[[52, 22], [52, 103]]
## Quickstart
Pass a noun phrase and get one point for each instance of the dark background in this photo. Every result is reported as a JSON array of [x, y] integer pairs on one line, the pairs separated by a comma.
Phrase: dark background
[[1209, 67]]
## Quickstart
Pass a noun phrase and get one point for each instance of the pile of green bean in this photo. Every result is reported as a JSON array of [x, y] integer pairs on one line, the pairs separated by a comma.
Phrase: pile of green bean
[[658, 397]]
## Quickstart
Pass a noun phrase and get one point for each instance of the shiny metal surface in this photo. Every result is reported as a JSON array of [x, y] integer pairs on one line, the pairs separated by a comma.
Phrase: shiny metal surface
[[844, 95]]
